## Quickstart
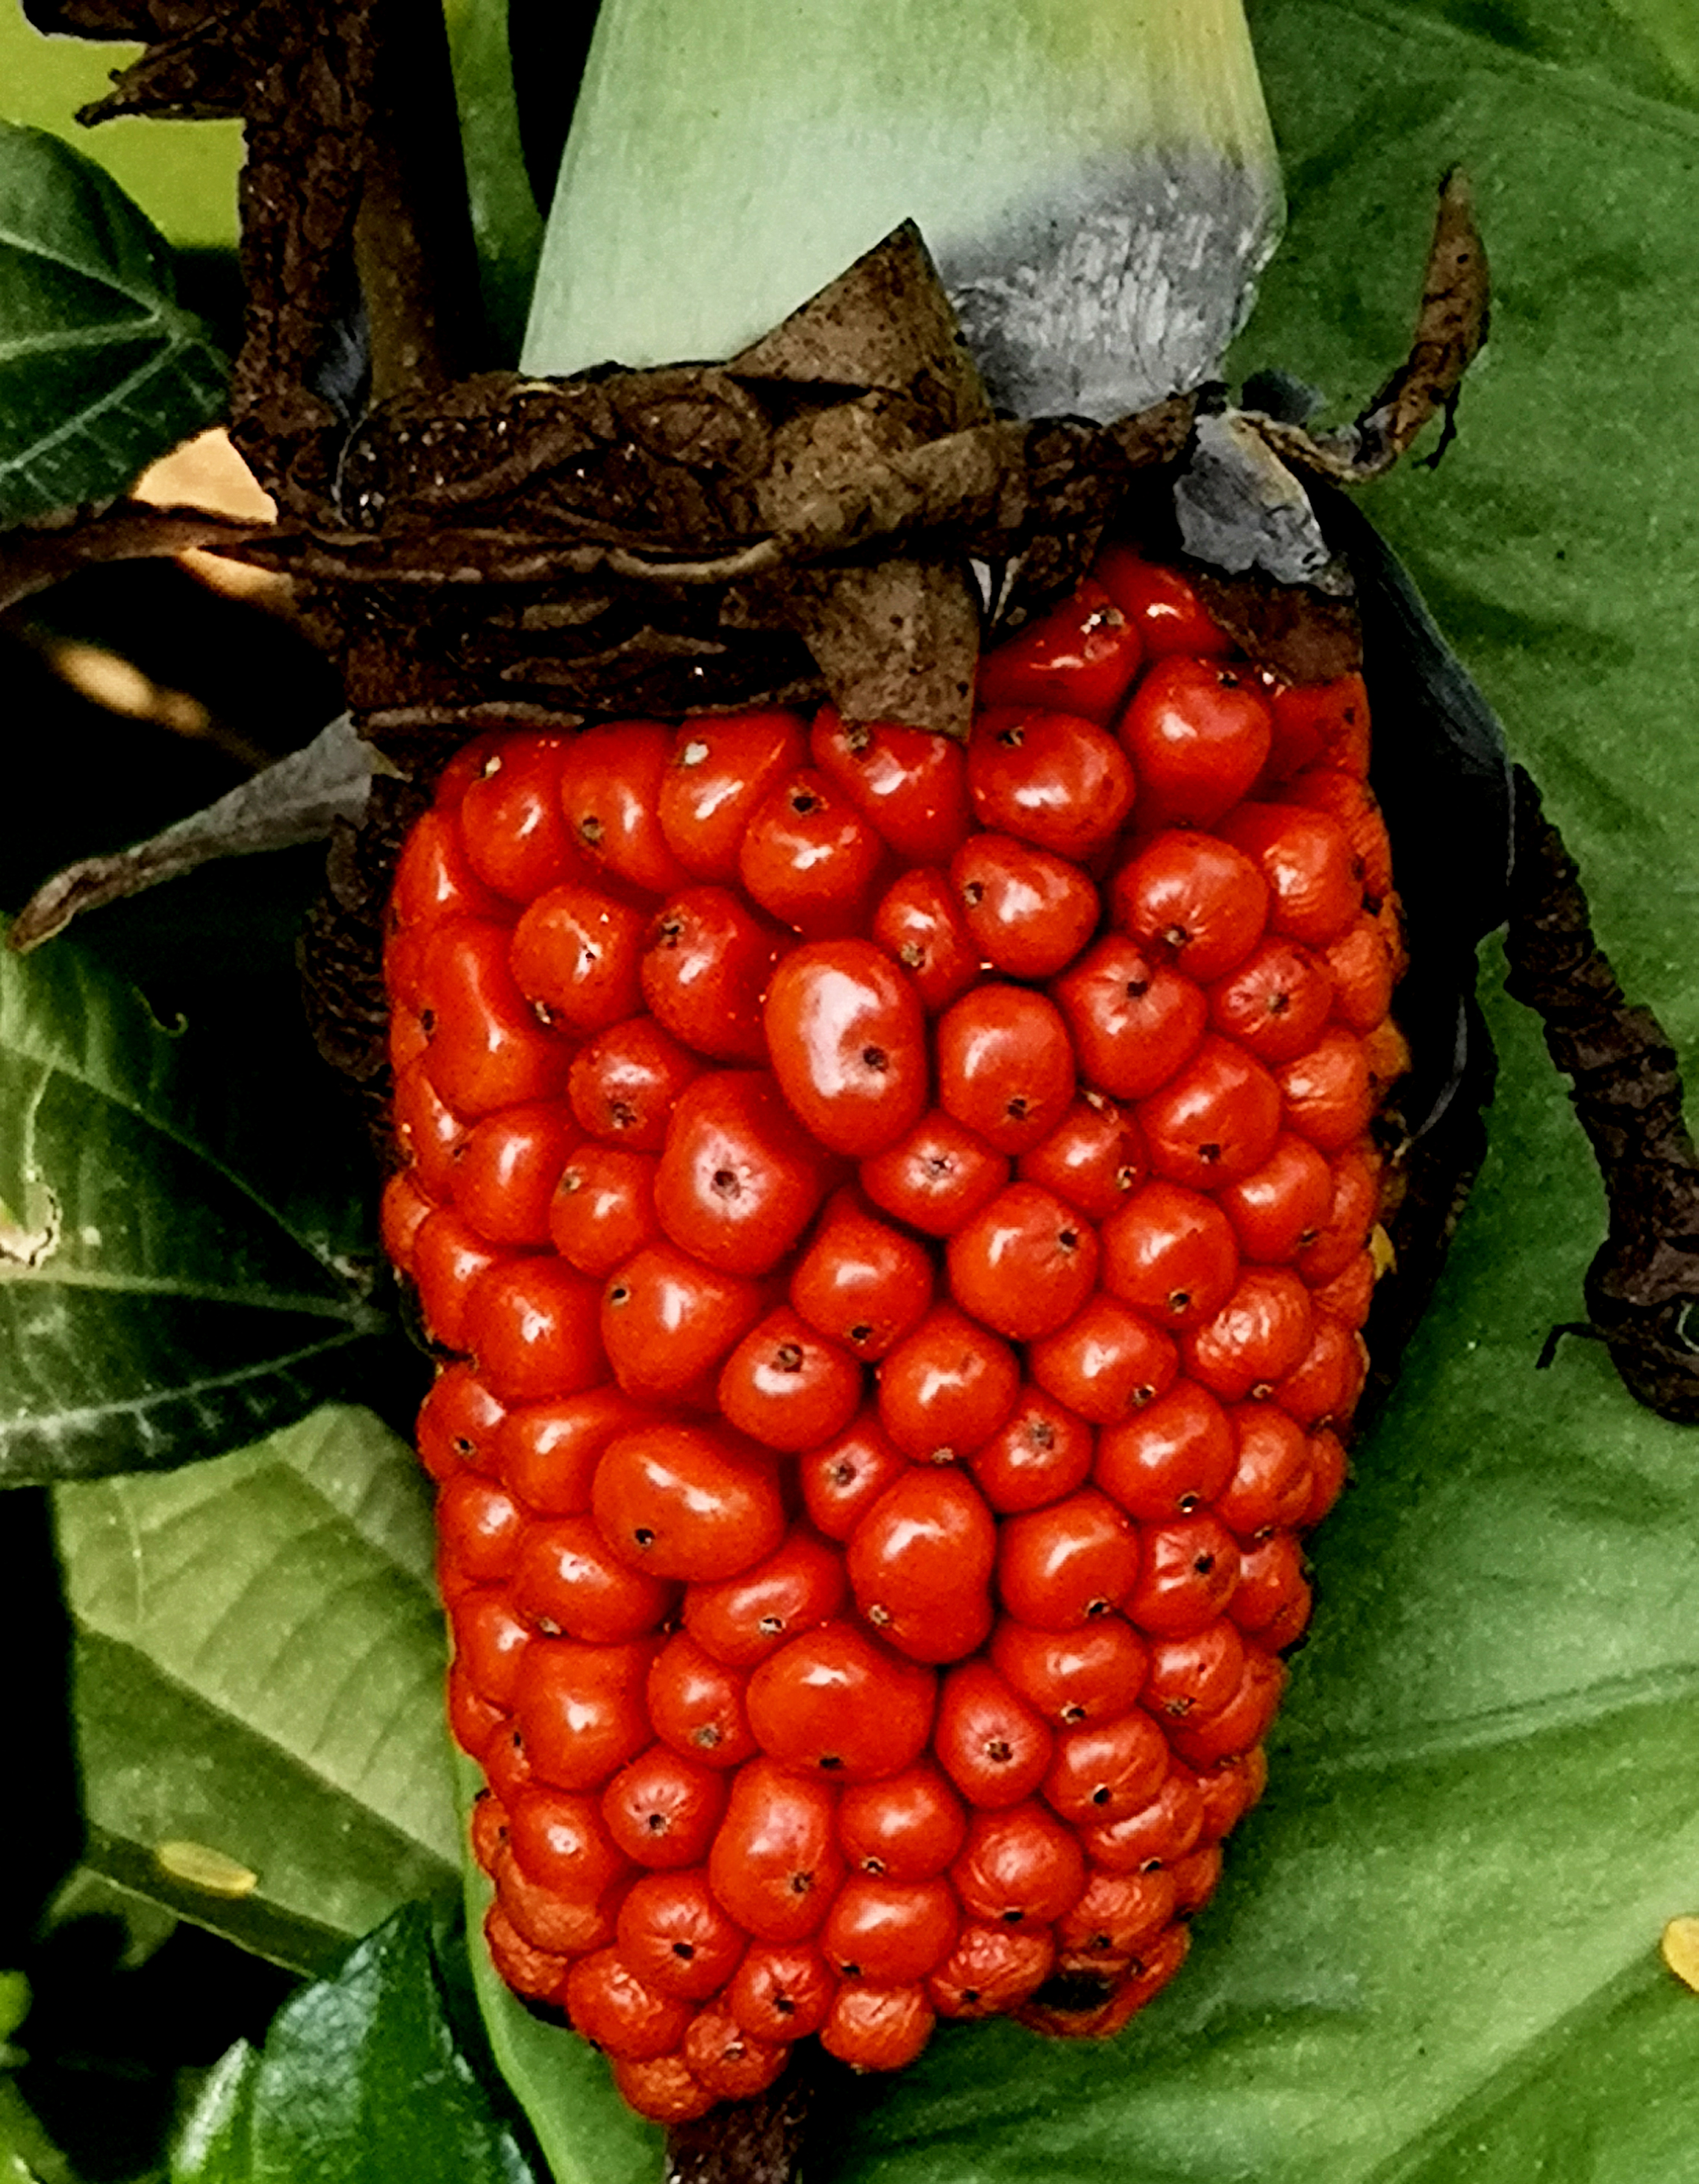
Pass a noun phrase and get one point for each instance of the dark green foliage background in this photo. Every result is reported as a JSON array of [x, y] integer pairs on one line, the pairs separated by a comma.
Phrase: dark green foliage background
[[1433, 1956]]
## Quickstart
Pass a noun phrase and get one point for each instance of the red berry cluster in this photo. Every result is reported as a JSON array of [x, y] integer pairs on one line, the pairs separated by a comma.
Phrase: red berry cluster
[[904, 1215]]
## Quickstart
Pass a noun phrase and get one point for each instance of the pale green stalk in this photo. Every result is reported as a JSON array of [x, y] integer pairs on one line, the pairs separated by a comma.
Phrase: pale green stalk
[[1097, 179]]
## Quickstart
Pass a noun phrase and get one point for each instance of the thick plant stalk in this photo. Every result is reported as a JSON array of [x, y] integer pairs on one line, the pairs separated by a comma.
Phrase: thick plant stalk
[[1097, 179]]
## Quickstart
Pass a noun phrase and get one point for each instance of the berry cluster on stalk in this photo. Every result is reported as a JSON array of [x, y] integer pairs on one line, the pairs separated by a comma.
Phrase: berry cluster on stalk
[[902, 1218]]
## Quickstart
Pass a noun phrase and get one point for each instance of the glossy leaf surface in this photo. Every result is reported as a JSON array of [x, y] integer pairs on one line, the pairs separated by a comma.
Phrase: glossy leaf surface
[[100, 368], [257, 1686]]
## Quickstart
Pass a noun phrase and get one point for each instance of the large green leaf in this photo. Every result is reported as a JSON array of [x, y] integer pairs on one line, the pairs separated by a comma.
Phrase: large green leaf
[[100, 369], [361, 2081], [258, 1686], [174, 1268], [1433, 1958]]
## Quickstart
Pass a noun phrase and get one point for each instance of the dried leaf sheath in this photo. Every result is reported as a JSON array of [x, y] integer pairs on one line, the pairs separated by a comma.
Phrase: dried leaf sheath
[[1643, 1287]]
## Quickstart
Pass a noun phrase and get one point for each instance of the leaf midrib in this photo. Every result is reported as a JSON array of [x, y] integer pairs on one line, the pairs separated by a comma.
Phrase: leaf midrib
[[206, 1645], [1565, 81], [56, 1064], [50, 1424], [176, 345], [154, 302], [49, 1275], [1325, 1755]]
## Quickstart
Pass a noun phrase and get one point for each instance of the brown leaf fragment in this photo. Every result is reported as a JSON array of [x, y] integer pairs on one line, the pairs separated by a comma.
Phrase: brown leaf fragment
[[896, 640], [884, 323], [1642, 1289], [1305, 635], [37, 555], [299, 798], [1451, 332]]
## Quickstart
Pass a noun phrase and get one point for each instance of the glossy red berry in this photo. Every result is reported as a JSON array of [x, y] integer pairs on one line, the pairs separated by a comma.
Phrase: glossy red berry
[[847, 1035], [685, 1501], [1024, 1264], [1050, 779], [1197, 733]]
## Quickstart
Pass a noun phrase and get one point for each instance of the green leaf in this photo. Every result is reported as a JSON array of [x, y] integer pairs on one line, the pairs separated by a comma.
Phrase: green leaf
[[361, 2081], [175, 1268], [257, 1686], [1433, 1956], [182, 174], [587, 2134], [100, 370], [507, 227], [27, 2153]]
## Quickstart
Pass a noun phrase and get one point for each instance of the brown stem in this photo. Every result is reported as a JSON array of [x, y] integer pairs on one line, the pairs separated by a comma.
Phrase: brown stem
[[1643, 1287], [413, 239]]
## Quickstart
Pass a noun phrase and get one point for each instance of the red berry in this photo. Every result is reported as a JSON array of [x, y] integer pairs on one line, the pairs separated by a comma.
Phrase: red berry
[[662, 1811], [842, 1481], [602, 1207], [609, 792], [739, 1179], [889, 1932], [487, 1049], [781, 1992], [677, 1501], [1200, 901], [1040, 1453], [1170, 1459], [1050, 779], [1029, 911], [1107, 1362], [505, 1170], [743, 1619], [676, 1937], [1005, 1065], [1094, 1158], [1080, 654], [775, 1865], [569, 1582], [919, 925], [861, 1282], [511, 822], [532, 1325], [993, 1746], [1170, 1253], [1135, 1019], [936, 1176], [576, 955], [623, 1084], [876, 2028], [1061, 1568], [719, 769], [667, 1322], [847, 1041], [928, 1539], [1161, 603], [1024, 1264], [946, 1387], [1216, 1121], [911, 785], [906, 1827], [1198, 734], [703, 970], [809, 859]]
